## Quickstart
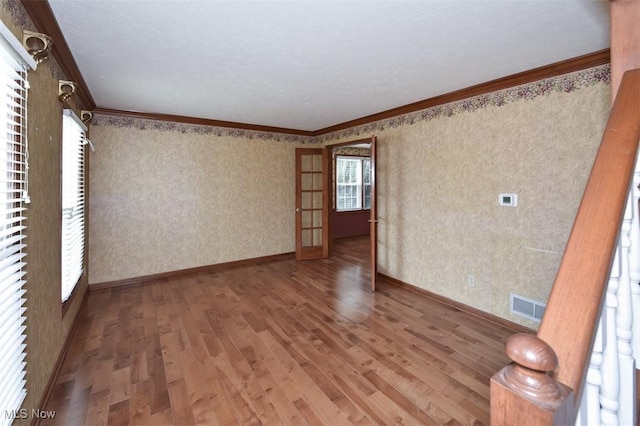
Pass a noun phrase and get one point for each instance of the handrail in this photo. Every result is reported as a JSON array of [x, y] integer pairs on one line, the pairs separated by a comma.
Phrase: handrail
[[573, 310]]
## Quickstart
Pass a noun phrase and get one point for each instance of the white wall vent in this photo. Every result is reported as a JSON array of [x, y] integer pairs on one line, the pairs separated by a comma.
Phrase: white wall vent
[[525, 307]]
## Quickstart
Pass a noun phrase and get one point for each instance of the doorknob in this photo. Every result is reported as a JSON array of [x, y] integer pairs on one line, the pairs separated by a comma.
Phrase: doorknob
[[297, 209], [374, 221]]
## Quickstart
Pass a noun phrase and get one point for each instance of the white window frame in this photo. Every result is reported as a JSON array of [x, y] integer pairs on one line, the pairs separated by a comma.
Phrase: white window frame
[[73, 206], [358, 181], [14, 65]]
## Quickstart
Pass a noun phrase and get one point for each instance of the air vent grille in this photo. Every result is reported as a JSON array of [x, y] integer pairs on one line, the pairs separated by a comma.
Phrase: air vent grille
[[525, 307]]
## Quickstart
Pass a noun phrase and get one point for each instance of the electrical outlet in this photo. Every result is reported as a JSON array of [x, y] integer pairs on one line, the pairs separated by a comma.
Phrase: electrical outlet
[[471, 281]]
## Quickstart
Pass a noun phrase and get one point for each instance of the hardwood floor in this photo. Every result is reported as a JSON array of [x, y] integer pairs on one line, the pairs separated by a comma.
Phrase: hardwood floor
[[280, 342]]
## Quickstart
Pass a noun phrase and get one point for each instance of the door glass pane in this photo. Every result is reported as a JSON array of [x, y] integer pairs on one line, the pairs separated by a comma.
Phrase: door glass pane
[[306, 237], [317, 181], [306, 181], [317, 237], [317, 163], [306, 219], [317, 218], [306, 200], [317, 200], [306, 164]]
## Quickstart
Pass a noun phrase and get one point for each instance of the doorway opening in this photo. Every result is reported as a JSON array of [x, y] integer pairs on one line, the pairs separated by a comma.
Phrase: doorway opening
[[352, 198]]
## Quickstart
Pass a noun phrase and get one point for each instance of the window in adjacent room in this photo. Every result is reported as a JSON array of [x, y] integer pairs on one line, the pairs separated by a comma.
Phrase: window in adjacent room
[[14, 62], [73, 220], [353, 183]]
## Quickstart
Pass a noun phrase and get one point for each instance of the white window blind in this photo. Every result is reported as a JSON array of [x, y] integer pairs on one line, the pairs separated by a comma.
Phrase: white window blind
[[73, 141], [14, 62]]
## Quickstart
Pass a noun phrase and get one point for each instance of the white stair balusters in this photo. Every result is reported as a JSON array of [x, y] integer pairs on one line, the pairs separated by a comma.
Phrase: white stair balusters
[[634, 265], [609, 396], [610, 389], [624, 318], [589, 412]]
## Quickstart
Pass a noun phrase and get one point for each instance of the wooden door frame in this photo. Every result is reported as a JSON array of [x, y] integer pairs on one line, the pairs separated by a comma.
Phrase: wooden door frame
[[373, 221], [331, 192]]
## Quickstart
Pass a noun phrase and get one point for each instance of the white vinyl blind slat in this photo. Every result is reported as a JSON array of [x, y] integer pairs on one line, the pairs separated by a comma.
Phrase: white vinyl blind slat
[[10, 278], [14, 62], [11, 261], [9, 327], [12, 296], [11, 148], [11, 245], [17, 375], [13, 358], [72, 202], [10, 231], [15, 394]]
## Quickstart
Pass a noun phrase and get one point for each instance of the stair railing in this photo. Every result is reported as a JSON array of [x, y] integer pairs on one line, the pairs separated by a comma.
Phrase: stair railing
[[579, 368]]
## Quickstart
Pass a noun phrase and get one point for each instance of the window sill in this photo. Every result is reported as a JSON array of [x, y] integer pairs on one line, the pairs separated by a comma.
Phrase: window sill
[[345, 212], [67, 303]]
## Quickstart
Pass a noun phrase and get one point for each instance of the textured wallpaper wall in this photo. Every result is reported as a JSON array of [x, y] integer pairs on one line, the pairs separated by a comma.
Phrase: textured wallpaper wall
[[166, 196], [440, 172], [47, 329]]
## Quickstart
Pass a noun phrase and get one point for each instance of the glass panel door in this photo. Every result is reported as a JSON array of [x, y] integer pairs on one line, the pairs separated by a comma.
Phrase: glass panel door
[[311, 209]]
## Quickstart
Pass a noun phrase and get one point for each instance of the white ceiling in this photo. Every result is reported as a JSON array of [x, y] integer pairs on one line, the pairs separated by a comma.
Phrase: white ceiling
[[310, 64]]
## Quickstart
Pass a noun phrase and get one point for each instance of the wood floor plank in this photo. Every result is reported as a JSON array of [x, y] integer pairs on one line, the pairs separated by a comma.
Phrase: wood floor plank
[[279, 342], [309, 413], [400, 399], [350, 383], [243, 379], [119, 413], [98, 410], [138, 367], [180, 403], [302, 377], [120, 385], [140, 406]]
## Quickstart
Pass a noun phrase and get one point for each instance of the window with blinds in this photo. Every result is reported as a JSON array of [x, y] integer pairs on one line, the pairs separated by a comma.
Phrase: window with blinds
[[73, 141], [353, 183], [14, 62]]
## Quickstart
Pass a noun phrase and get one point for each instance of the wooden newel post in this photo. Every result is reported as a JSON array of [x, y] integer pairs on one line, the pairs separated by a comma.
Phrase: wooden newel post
[[525, 392]]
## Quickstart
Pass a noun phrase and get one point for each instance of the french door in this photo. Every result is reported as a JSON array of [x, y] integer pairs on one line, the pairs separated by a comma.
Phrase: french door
[[312, 203]]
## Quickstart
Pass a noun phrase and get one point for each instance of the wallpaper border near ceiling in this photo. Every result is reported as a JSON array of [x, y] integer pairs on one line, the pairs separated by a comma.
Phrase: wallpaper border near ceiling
[[101, 119], [565, 83], [17, 12], [24, 22]]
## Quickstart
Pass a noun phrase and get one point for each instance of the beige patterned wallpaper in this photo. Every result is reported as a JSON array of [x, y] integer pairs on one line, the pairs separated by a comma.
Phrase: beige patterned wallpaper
[[47, 329], [440, 172], [166, 196], [348, 150]]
